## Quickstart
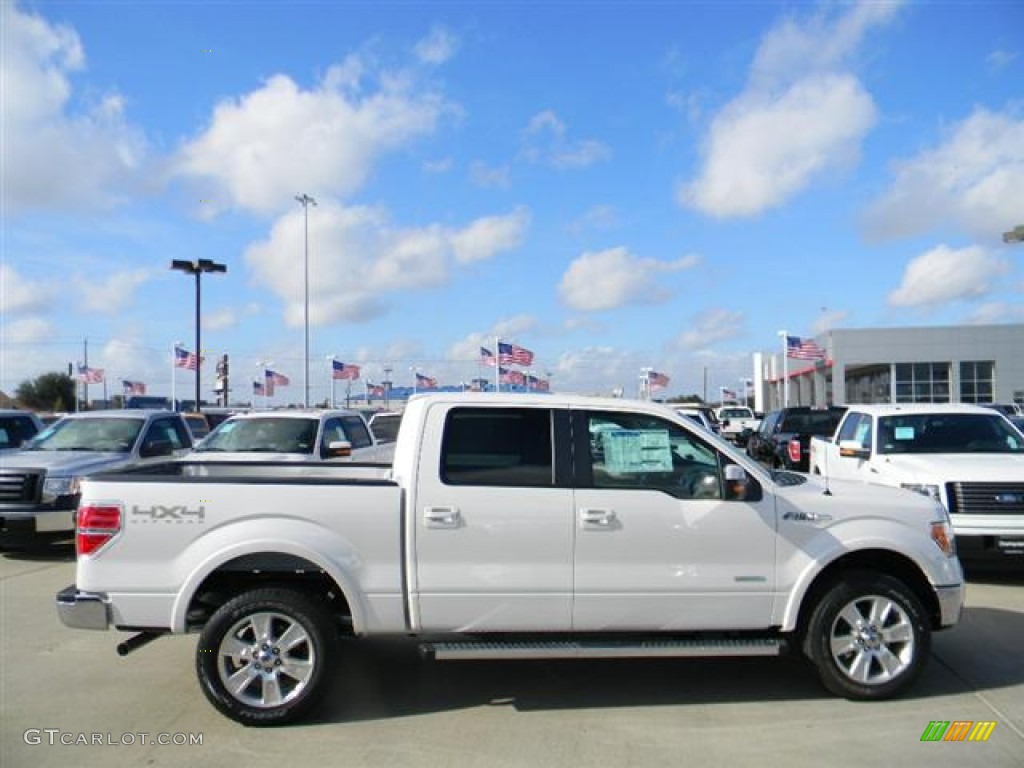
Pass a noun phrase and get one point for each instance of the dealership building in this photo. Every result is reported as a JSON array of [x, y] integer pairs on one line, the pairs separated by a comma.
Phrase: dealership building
[[953, 364]]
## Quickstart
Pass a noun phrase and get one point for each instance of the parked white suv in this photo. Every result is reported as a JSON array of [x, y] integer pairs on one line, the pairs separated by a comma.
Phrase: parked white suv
[[291, 435]]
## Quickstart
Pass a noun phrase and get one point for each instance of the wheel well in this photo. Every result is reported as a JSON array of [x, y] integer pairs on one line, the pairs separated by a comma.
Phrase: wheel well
[[262, 570], [874, 561]]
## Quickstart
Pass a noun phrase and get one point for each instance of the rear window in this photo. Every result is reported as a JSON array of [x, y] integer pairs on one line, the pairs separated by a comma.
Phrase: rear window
[[821, 423], [503, 447]]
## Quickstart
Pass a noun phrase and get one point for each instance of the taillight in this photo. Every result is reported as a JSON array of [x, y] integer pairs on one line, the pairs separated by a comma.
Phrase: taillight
[[97, 524], [793, 448]]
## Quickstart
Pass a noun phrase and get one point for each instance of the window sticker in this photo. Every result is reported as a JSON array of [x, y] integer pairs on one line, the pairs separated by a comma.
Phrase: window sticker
[[903, 433], [637, 450]]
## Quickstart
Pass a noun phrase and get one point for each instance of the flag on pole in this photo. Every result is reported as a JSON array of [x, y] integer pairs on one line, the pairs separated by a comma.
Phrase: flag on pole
[[90, 375], [656, 380], [425, 382], [487, 357], [512, 354], [374, 390], [185, 359], [342, 371], [803, 349], [274, 378], [133, 387], [728, 394], [508, 376], [259, 389]]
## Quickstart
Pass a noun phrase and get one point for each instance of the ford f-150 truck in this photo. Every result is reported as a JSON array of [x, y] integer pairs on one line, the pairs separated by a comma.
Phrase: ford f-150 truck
[[513, 526], [39, 483], [967, 457]]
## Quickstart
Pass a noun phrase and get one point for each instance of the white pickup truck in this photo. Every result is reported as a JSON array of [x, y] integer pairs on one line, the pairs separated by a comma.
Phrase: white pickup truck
[[967, 457], [514, 526]]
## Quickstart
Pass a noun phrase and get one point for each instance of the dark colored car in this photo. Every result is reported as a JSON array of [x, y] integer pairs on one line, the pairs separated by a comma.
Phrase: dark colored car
[[784, 439]]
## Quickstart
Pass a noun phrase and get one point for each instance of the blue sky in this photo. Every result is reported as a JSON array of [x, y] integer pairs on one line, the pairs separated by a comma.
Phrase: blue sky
[[612, 185]]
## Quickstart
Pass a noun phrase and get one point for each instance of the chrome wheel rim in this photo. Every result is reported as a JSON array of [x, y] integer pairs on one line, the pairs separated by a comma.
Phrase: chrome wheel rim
[[266, 659], [872, 640]]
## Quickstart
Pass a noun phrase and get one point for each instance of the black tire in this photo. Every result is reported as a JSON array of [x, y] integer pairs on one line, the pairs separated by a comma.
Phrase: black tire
[[277, 681], [868, 636]]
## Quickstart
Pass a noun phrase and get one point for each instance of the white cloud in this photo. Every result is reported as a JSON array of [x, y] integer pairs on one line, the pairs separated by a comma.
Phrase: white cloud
[[829, 320], [489, 177], [547, 144], [467, 349], [763, 150], [1000, 60], [615, 277], [442, 165], [599, 370], [975, 179], [437, 47], [800, 118], [709, 327], [280, 140], [113, 293], [997, 313], [490, 235], [357, 258], [26, 330], [18, 295], [52, 156], [943, 275]]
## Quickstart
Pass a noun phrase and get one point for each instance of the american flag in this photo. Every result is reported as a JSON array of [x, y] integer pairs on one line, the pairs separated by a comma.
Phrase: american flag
[[374, 390], [425, 382], [507, 376], [657, 380], [90, 375], [274, 378], [259, 389], [185, 359], [487, 357], [511, 354], [803, 349], [728, 394], [537, 385], [133, 387], [342, 371]]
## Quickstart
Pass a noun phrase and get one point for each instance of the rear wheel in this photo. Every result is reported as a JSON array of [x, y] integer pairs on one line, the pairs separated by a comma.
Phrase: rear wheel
[[264, 657], [868, 637]]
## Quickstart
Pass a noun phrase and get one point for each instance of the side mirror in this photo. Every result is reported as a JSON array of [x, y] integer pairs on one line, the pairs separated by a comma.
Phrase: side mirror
[[739, 486], [156, 448], [339, 449], [851, 449]]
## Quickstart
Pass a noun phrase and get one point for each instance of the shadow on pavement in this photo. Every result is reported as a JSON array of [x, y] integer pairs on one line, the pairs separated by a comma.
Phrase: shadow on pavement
[[47, 552], [386, 679]]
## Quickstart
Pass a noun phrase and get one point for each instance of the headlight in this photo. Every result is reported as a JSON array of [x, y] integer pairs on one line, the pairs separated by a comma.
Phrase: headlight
[[942, 535], [60, 486], [931, 491]]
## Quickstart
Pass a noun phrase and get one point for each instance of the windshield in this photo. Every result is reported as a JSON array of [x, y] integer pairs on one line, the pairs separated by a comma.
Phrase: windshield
[[735, 413], [100, 434], [263, 435], [948, 433]]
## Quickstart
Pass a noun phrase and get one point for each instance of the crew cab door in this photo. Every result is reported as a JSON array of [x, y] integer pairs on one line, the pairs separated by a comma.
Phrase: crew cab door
[[493, 520], [663, 540]]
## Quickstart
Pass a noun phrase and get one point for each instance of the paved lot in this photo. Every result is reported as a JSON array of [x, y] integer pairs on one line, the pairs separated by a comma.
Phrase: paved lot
[[391, 709]]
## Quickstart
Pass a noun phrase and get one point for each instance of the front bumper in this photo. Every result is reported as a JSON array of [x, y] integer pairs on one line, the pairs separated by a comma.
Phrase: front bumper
[[951, 604], [83, 610]]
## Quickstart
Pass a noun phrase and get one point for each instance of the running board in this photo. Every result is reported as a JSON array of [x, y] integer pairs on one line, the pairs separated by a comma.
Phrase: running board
[[583, 649]]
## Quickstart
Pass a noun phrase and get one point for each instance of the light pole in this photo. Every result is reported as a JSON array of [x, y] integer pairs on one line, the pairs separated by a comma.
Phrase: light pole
[[387, 387], [305, 201], [784, 335], [197, 268]]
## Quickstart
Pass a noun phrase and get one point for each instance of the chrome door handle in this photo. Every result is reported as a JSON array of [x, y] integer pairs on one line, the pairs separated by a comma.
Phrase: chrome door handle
[[442, 517], [600, 518]]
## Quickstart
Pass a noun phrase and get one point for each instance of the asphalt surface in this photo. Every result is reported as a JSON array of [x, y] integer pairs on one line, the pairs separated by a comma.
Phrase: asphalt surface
[[390, 708]]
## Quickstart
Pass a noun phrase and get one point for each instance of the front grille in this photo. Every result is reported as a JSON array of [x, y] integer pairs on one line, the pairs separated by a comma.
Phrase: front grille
[[20, 487], [986, 498]]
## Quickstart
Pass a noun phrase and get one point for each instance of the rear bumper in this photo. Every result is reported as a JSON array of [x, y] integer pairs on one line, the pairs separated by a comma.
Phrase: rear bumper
[[83, 610], [43, 520]]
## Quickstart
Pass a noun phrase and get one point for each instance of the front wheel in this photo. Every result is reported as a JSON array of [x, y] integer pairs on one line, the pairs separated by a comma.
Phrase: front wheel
[[868, 637], [264, 656]]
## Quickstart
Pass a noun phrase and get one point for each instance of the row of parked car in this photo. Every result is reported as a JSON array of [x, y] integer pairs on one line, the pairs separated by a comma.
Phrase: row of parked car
[[41, 465]]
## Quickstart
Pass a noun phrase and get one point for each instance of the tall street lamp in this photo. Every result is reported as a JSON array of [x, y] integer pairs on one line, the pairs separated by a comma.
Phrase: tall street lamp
[[305, 201], [197, 268]]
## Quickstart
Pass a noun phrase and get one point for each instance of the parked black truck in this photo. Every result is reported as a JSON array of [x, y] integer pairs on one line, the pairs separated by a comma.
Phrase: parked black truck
[[783, 440]]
